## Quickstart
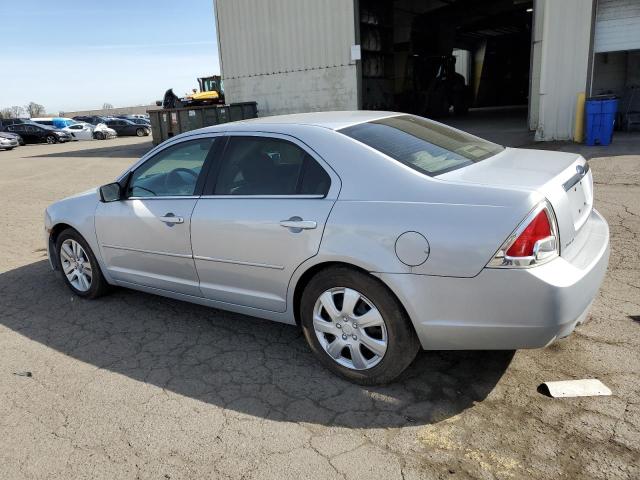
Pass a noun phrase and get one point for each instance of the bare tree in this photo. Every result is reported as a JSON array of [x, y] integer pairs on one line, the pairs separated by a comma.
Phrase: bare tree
[[34, 109], [5, 113], [16, 111], [107, 106]]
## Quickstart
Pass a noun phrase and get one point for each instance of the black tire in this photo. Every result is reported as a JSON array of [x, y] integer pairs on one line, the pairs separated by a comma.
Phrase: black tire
[[140, 132], [99, 285], [51, 139], [403, 344], [99, 136]]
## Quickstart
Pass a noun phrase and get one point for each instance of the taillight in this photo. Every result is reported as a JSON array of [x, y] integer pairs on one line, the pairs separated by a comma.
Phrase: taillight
[[535, 241], [537, 230]]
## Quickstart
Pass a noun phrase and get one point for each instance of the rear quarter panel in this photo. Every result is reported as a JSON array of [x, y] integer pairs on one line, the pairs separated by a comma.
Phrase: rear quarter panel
[[381, 198], [462, 237]]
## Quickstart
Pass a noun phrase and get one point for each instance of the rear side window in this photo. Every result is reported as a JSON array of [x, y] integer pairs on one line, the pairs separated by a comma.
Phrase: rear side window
[[269, 166], [426, 146]]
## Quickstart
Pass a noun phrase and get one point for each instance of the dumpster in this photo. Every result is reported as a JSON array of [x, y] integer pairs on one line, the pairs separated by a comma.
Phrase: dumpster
[[600, 112], [167, 122]]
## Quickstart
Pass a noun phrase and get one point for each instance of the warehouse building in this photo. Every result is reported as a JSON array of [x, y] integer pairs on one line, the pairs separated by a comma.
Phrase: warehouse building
[[439, 58]]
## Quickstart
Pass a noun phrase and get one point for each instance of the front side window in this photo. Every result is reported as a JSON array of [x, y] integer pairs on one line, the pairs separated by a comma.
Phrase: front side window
[[269, 166], [426, 146], [172, 172]]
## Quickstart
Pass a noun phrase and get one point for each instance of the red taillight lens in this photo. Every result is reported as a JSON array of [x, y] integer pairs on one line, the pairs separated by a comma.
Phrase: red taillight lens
[[538, 229]]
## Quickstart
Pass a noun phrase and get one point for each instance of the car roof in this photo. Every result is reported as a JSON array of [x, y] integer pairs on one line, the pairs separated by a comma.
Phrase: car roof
[[331, 120]]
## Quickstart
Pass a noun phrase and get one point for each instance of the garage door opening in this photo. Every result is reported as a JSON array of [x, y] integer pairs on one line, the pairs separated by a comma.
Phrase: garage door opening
[[458, 61]]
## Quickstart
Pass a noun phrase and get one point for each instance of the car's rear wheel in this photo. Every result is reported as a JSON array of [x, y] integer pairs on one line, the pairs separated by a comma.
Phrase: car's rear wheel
[[50, 139], [140, 132], [356, 327], [79, 266]]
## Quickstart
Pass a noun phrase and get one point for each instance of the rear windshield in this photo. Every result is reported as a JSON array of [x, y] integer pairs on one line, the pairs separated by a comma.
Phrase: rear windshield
[[428, 147]]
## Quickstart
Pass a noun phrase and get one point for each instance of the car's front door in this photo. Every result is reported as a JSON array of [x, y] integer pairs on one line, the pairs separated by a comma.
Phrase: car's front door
[[263, 213], [145, 238]]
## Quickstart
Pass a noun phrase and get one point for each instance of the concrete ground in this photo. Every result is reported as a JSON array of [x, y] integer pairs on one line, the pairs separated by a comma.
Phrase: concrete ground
[[503, 125], [137, 386]]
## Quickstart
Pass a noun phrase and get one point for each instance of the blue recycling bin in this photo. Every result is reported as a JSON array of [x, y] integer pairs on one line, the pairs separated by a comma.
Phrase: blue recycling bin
[[601, 117]]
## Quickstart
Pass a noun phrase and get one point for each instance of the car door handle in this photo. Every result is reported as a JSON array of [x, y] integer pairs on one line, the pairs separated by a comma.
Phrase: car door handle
[[171, 219], [298, 223]]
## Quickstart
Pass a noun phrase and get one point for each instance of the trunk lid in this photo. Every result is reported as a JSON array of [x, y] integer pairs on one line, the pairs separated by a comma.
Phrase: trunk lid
[[563, 178]]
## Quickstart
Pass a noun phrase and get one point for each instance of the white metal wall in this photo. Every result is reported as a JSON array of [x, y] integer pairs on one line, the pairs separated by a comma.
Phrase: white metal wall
[[564, 59], [617, 25], [288, 55]]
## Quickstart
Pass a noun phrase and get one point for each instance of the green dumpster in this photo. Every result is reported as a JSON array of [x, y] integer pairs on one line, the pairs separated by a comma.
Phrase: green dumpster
[[165, 123]]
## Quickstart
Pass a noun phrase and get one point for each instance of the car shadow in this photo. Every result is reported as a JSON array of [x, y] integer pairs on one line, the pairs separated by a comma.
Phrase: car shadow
[[248, 365], [136, 150]]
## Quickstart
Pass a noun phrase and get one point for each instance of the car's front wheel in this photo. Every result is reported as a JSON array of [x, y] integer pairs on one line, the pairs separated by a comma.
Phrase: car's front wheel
[[50, 139], [79, 266], [99, 136], [356, 327], [140, 132]]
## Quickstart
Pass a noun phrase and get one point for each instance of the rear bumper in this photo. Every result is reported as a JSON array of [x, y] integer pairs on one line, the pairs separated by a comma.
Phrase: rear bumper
[[507, 308]]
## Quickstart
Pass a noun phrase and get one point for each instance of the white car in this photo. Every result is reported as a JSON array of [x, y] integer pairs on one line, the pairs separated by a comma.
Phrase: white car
[[86, 131], [80, 131]]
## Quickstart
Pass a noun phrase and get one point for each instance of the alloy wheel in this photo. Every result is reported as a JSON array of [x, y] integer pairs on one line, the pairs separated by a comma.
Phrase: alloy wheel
[[76, 265], [350, 328], [51, 139]]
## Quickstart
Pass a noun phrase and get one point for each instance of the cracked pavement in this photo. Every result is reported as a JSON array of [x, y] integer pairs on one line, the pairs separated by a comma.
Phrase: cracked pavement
[[138, 386]]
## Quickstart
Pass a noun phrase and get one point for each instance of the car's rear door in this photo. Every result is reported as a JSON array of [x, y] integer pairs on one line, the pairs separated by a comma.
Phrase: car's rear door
[[145, 238], [263, 213]]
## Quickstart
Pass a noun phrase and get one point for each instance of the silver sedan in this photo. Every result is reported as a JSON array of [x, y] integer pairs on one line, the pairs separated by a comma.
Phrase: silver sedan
[[377, 233]]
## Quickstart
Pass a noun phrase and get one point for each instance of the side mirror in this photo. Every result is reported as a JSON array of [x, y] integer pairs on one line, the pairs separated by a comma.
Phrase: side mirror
[[111, 192]]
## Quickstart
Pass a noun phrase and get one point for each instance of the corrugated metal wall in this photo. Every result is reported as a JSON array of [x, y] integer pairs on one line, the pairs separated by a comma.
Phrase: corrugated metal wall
[[566, 35], [262, 37], [617, 25]]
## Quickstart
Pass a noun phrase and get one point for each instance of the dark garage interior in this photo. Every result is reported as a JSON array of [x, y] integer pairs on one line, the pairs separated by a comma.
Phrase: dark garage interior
[[459, 61]]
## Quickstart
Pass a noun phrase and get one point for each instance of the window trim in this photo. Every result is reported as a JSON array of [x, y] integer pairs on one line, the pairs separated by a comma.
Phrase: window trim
[[200, 182], [209, 188]]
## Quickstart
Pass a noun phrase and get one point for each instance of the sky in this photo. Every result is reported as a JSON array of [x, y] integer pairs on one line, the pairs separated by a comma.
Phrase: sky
[[79, 54]]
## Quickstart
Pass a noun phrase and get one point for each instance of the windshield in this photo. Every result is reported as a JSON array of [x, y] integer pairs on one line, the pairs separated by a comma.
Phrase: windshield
[[426, 146]]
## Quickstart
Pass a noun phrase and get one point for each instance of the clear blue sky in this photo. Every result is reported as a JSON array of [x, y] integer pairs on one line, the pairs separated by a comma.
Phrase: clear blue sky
[[78, 54]]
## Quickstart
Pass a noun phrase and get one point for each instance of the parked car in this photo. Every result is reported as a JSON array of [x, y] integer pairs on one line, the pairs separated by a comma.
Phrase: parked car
[[55, 122], [378, 233], [92, 119], [80, 131], [127, 128], [15, 136], [35, 133], [86, 131], [8, 142]]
